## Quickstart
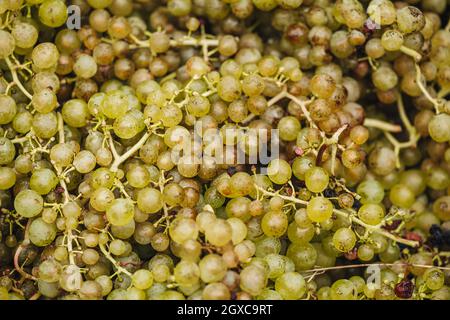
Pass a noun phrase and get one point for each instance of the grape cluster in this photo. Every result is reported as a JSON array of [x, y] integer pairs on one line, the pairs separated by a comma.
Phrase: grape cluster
[[106, 192]]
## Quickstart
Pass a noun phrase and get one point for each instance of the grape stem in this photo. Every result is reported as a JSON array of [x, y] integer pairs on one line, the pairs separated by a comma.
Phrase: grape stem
[[302, 105], [412, 53], [271, 102], [108, 256], [413, 135], [19, 251], [347, 215], [16, 80], [424, 90], [382, 125], [62, 182], [119, 160]]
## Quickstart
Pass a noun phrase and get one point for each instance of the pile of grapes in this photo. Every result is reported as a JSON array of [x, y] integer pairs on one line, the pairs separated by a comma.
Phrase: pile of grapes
[[128, 130]]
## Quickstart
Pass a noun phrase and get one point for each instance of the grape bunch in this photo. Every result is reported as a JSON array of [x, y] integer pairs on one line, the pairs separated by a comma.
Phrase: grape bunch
[[128, 135]]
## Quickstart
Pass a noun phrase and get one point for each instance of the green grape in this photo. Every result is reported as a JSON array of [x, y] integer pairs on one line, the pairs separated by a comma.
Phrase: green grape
[[279, 171], [371, 214], [7, 178], [343, 290], [44, 101], [265, 5], [365, 252], [183, 229], [274, 224], [8, 110], [392, 40], [53, 13], [85, 66], [410, 19], [45, 55], [319, 209], [434, 278], [45, 125], [7, 44], [344, 239], [402, 196], [186, 273], [120, 212], [114, 104], [291, 286], [50, 271], [142, 279], [229, 88], [303, 256], [439, 127], [253, 279], [28, 203], [212, 268], [41, 233], [43, 181], [129, 125], [300, 235], [219, 233], [371, 191], [316, 179], [7, 151]]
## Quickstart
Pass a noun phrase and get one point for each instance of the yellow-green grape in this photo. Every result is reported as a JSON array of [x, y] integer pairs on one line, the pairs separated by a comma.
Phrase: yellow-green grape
[[301, 235], [402, 196], [149, 200], [53, 13], [142, 279], [439, 127], [343, 289], [43, 181], [186, 273], [238, 230], [291, 286], [371, 214], [7, 178], [371, 191], [344, 239], [120, 212], [434, 278], [28, 203], [253, 279], [212, 268], [279, 171], [274, 223], [303, 256], [365, 252], [288, 128], [42, 233], [183, 229], [219, 233], [316, 179], [319, 209]]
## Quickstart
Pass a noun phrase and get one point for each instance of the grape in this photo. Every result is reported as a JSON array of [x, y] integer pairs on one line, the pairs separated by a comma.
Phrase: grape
[[319, 209], [7, 44], [316, 179], [120, 212], [9, 109], [344, 239], [53, 13], [291, 286], [43, 181], [343, 290], [28, 203], [128, 144], [45, 55], [371, 213], [42, 233], [279, 171]]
